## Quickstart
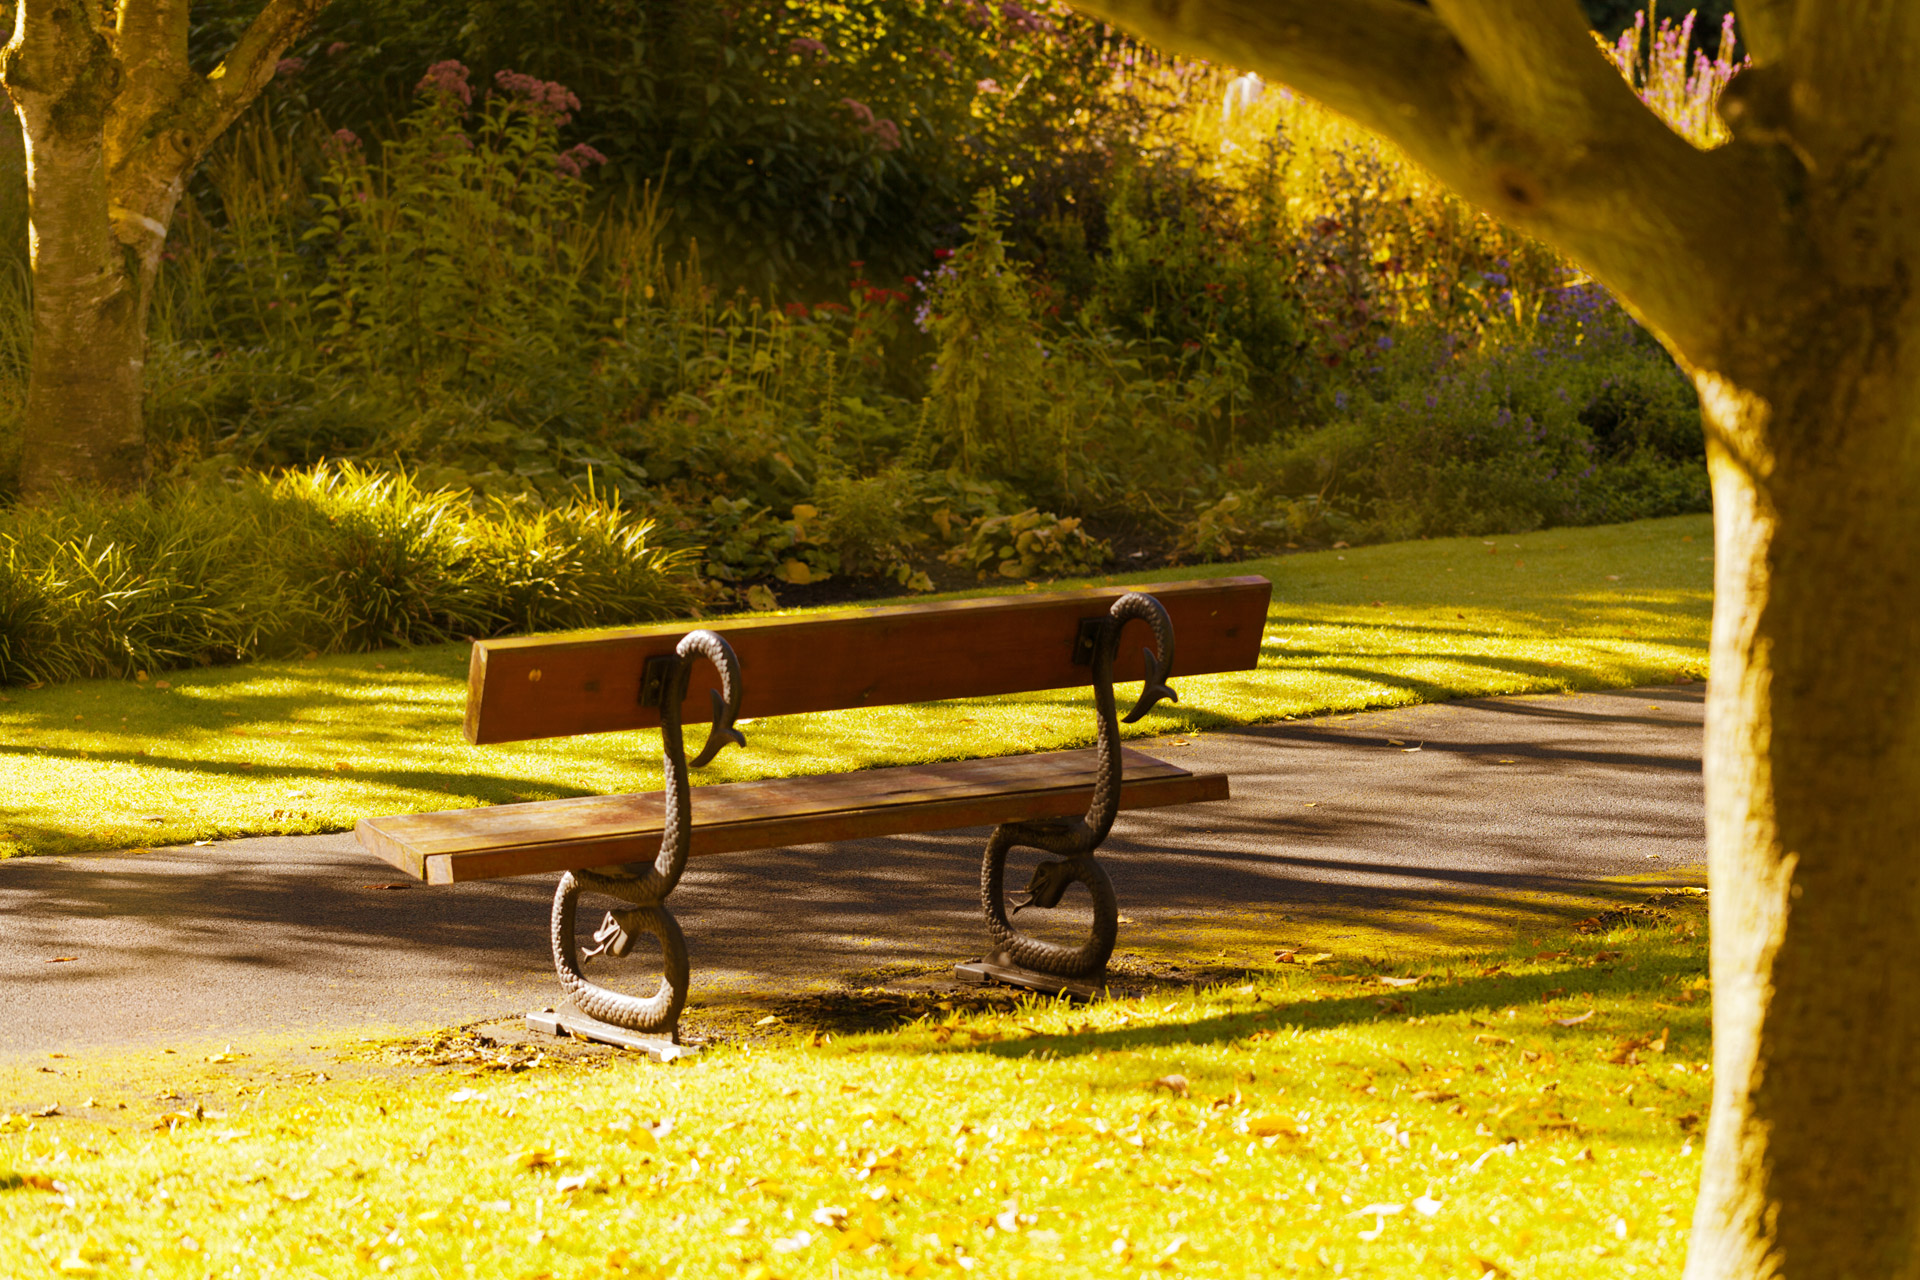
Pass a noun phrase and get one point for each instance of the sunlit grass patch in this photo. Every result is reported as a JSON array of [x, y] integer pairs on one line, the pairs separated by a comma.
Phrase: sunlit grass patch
[[1534, 1111], [314, 746]]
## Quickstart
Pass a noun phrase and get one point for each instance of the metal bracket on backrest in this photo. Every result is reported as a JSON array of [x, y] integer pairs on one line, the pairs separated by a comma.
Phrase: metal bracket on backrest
[[1086, 641], [655, 676]]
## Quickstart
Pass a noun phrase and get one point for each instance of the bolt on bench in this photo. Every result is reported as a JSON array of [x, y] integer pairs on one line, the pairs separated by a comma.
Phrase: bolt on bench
[[634, 847]]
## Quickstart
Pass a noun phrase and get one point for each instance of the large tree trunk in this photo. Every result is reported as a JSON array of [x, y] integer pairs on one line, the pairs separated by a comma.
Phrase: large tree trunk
[[83, 423], [1813, 780]]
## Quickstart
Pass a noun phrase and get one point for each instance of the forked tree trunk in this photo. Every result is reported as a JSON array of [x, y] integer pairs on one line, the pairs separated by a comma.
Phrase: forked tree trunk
[[1812, 1166], [115, 119]]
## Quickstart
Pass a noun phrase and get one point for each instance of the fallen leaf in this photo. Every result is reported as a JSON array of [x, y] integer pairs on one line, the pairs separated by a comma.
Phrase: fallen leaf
[[573, 1182], [1398, 982], [1172, 1084], [1484, 1038], [51, 1109], [1574, 1021], [1272, 1126], [1433, 1095], [767, 1021], [389, 886], [535, 1158], [342, 766], [60, 960], [793, 1243], [1427, 1206]]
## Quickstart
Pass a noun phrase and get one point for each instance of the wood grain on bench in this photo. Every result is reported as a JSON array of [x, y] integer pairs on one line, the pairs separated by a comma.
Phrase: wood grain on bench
[[546, 687], [591, 831]]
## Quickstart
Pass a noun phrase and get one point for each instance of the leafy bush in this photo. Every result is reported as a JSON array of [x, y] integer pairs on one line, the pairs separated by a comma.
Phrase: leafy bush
[[1030, 544], [327, 560]]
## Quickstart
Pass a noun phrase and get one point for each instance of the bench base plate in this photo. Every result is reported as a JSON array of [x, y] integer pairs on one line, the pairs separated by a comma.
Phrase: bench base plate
[[998, 966], [572, 1022]]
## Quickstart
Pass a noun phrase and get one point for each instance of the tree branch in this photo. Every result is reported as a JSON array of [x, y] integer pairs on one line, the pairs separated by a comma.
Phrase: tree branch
[[1511, 103], [247, 69], [168, 119]]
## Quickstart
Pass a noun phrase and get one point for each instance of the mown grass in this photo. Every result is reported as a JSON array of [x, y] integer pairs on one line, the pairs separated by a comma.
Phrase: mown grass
[[290, 747], [1529, 1112]]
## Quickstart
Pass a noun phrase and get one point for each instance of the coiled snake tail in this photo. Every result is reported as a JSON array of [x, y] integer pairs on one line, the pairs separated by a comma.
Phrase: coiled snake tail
[[646, 885]]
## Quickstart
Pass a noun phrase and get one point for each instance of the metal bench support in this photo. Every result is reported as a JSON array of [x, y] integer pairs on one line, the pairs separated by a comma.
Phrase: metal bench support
[[645, 886], [1033, 962]]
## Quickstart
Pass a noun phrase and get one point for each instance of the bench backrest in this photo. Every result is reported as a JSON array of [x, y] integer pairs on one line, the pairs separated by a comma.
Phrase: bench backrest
[[549, 687]]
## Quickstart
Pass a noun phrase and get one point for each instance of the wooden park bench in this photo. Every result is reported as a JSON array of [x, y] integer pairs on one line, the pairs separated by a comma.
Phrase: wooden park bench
[[634, 847]]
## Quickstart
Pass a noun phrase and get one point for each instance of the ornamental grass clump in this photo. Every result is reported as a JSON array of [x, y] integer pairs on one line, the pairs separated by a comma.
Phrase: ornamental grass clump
[[330, 559]]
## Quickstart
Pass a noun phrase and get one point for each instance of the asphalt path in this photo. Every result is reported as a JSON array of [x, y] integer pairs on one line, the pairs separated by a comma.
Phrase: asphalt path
[[1380, 827]]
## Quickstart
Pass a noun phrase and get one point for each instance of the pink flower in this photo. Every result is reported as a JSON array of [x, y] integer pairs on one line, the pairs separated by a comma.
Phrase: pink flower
[[887, 134], [337, 48], [989, 85], [289, 66], [797, 309], [862, 113], [542, 97], [807, 45], [574, 160], [343, 143], [449, 80], [1024, 19]]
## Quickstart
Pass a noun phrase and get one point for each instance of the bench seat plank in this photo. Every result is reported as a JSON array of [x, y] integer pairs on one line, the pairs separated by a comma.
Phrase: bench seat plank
[[592, 831]]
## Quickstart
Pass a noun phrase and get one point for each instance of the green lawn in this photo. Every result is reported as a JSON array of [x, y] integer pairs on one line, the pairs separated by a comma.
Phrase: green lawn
[[1533, 1112], [314, 746]]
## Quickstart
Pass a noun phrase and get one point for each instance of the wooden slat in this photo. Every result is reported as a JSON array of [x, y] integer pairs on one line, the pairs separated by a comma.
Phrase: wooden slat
[[555, 687], [593, 831]]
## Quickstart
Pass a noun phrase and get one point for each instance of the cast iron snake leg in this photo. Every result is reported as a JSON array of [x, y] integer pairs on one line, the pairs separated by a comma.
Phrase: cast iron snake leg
[[645, 886], [1075, 840]]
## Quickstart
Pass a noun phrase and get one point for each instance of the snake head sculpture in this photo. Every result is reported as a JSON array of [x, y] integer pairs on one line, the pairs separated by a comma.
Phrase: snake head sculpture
[[1050, 881], [726, 699], [1159, 666]]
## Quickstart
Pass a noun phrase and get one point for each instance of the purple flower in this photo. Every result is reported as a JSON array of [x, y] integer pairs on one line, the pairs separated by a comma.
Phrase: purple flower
[[289, 66], [448, 79], [342, 144], [862, 113], [989, 85], [574, 160], [1024, 19], [337, 48], [544, 98], [887, 134]]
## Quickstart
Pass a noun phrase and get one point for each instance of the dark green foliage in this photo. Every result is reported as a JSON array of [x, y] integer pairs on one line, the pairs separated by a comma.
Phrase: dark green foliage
[[1505, 442]]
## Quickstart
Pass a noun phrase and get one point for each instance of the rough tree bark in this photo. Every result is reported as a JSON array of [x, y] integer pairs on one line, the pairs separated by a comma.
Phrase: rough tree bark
[[115, 121], [1779, 270]]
